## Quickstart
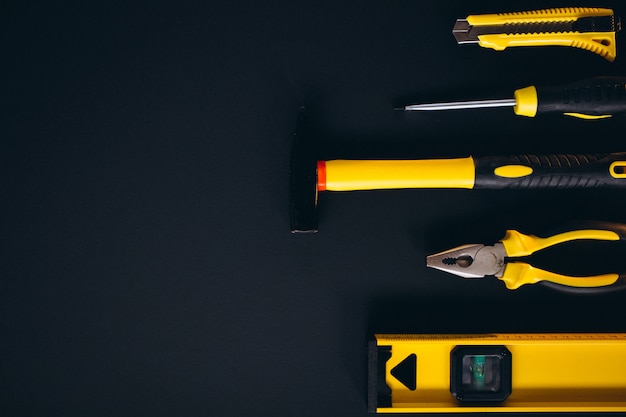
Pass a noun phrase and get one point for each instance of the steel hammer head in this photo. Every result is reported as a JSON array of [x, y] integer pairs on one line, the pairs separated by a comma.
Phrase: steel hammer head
[[303, 179]]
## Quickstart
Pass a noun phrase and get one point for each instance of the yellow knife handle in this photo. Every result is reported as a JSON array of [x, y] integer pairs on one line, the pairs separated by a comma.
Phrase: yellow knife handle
[[602, 43], [562, 14]]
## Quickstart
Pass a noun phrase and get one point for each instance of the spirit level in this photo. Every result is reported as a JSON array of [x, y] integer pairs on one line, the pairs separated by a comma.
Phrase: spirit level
[[531, 372]]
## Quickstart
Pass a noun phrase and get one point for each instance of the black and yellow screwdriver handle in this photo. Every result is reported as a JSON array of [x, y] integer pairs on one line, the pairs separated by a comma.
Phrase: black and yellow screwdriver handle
[[518, 273], [594, 98]]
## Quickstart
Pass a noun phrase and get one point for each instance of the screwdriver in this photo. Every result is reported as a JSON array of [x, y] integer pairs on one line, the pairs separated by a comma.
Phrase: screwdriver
[[593, 98]]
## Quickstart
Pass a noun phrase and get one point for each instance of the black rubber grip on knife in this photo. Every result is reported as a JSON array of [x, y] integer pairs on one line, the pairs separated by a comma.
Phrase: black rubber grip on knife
[[551, 171]]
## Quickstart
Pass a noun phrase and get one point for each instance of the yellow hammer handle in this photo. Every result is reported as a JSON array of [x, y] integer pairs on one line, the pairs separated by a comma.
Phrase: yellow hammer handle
[[350, 175]]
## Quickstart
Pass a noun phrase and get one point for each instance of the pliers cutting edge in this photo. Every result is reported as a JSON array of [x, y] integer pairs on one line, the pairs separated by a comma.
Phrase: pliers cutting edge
[[478, 261]]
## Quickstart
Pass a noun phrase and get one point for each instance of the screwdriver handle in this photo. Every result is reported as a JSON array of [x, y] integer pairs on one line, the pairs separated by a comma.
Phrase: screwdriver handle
[[551, 171], [593, 98]]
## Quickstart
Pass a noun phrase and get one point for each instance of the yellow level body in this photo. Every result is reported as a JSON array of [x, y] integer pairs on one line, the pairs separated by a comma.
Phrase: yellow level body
[[549, 373]]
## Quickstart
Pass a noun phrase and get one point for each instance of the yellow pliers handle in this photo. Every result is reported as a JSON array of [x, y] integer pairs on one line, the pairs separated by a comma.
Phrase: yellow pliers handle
[[517, 274], [518, 244]]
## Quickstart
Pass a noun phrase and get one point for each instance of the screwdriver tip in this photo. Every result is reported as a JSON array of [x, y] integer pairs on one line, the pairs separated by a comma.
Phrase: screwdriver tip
[[400, 108]]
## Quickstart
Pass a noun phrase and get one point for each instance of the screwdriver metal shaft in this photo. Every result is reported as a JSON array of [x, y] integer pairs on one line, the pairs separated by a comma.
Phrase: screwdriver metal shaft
[[454, 105]]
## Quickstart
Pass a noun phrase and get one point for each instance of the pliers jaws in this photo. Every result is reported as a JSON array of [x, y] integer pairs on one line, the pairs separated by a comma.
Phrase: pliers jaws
[[470, 261], [507, 260]]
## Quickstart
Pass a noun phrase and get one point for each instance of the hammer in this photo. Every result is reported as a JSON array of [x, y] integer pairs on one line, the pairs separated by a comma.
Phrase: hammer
[[310, 176]]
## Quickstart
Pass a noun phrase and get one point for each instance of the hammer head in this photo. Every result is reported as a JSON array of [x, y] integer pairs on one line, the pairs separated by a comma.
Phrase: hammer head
[[303, 179]]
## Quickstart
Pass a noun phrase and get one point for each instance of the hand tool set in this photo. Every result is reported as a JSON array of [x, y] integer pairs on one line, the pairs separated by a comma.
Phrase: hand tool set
[[498, 372]]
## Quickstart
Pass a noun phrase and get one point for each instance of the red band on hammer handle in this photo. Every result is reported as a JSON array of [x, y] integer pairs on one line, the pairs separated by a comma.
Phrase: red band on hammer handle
[[321, 176]]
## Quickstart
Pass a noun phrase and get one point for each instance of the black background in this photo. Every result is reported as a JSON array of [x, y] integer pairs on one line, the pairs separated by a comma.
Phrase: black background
[[147, 266]]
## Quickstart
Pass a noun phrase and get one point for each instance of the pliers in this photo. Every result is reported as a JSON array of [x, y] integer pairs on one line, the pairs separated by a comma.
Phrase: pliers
[[478, 260]]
